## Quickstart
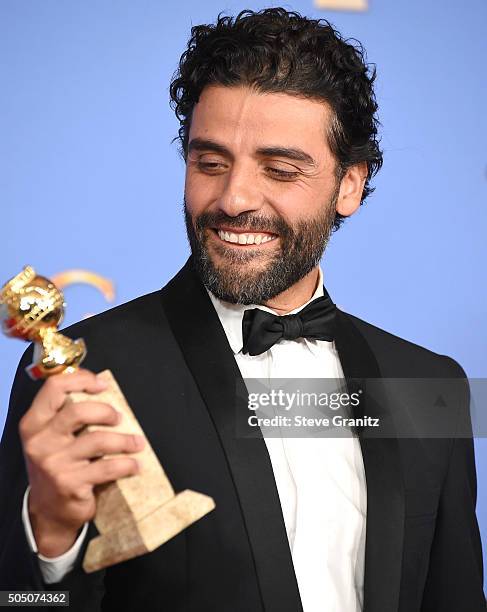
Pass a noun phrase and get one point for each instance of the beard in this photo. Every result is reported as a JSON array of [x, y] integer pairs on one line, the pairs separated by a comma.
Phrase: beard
[[254, 276]]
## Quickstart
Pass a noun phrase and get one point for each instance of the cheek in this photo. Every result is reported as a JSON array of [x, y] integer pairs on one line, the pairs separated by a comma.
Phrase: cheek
[[298, 201], [199, 192]]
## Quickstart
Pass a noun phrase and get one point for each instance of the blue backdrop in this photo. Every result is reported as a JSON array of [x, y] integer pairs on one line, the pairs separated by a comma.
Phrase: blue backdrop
[[87, 165]]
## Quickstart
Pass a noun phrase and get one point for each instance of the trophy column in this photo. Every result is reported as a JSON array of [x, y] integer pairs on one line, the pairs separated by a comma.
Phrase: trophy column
[[135, 515]]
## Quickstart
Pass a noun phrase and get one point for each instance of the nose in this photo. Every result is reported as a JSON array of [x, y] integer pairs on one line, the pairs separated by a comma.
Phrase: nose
[[240, 192]]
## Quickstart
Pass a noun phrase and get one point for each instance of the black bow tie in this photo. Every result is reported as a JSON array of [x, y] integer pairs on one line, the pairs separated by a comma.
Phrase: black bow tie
[[261, 329]]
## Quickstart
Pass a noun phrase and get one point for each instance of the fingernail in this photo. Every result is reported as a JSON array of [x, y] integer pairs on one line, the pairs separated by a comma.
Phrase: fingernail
[[101, 384], [119, 416], [139, 441]]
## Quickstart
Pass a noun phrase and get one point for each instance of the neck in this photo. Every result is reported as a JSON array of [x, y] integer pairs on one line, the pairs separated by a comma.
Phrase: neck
[[295, 296]]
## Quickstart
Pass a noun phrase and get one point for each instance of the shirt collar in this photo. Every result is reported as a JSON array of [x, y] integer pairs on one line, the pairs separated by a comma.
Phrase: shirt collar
[[231, 315]]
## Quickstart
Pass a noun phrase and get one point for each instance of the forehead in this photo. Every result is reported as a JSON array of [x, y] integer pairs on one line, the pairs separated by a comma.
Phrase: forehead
[[239, 116]]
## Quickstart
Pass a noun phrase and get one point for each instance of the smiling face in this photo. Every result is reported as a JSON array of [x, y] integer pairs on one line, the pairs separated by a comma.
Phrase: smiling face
[[261, 191]]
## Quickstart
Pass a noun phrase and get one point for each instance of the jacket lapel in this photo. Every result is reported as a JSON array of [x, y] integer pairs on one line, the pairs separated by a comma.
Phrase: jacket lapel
[[205, 347], [385, 491]]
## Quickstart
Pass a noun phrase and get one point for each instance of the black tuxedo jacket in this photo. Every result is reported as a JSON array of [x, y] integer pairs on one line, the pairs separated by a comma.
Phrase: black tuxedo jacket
[[171, 357]]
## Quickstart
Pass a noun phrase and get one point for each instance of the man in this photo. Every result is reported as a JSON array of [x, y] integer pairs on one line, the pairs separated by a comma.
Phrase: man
[[279, 135]]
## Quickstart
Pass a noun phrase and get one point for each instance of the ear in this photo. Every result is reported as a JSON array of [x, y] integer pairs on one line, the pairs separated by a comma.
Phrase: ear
[[351, 189]]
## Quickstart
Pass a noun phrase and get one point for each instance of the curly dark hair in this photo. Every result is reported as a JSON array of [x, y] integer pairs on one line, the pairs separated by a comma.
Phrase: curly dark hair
[[274, 50]]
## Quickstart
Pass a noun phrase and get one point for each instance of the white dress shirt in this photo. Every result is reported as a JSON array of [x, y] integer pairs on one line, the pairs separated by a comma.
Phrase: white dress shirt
[[320, 481]]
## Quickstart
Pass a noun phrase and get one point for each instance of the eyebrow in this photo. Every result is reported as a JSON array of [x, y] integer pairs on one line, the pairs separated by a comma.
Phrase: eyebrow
[[202, 144]]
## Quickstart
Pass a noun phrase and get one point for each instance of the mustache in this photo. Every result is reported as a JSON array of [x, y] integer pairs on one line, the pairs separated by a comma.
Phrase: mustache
[[246, 220]]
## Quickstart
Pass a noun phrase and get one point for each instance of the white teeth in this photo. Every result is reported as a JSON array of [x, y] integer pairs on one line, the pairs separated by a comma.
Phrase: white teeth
[[245, 238]]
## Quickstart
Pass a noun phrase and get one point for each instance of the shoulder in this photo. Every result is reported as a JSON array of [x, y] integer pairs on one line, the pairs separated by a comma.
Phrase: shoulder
[[398, 356], [121, 329], [141, 314]]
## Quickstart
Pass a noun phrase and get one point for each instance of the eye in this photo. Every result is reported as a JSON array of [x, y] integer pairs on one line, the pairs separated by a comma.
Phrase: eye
[[282, 175], [211, 167]]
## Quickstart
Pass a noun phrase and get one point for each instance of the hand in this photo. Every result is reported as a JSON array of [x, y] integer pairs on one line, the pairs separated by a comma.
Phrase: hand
[[61, 465]]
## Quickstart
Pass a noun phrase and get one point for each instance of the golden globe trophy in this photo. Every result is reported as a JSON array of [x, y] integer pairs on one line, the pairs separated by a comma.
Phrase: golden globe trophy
[[134, 515]]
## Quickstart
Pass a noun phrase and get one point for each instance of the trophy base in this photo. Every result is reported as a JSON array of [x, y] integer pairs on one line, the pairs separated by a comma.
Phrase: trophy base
[[139, 537], [138, 513]]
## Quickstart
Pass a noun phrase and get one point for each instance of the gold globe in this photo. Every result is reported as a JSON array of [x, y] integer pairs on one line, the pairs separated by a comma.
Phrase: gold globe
[[31, 308], [31, 303]]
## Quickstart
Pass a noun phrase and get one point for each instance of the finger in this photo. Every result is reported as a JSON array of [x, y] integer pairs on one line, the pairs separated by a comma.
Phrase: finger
[[52, 395], [75, 415], [99, 443], [106, 470]]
